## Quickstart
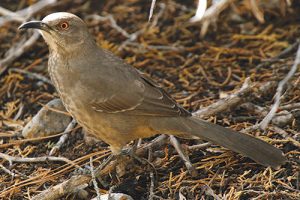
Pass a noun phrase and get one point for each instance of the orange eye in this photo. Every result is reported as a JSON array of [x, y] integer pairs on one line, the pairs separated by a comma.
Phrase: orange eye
[[64, 25]]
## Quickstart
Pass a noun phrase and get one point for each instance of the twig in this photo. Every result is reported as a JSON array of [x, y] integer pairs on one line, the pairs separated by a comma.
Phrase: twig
[[32, 75], [151, 9], [212, 13], [155, 143], [63, 138], [285, 135], [157, 47], [26, 13], [199, 146], [12, 159], [54, 109], [201, 8], [290, 106], [17, 50], [264, 123], [8, 135], [130, 37], [282, 54], [259, 15], [151, 190], [286, 51], [229, 102], [10, 14], [183, 156], [113, 24], [210, 192], [8, 171], [134, 36], [94, 179], [19, 113], [74, 184]]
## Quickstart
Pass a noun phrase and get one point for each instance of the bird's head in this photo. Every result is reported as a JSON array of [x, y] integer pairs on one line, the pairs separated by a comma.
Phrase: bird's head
[[61, 30]]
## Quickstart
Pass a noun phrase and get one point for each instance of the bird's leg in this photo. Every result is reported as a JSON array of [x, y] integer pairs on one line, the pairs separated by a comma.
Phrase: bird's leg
[[104, 164], [101, 167], [131, 152]]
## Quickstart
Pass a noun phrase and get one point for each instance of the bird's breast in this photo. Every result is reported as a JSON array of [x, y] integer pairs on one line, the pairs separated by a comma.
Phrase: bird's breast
[[64, 81]]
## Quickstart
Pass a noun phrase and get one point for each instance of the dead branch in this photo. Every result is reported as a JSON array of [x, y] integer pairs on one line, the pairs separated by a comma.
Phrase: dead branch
[[201, 8], [280, 119], [134, 36], [8, 171], [17, 50], [199, 146], [26, 13], [209, 191], [9, 14], [94, 179], [282, 54], [290, 106], [227, 103], [32, 75], [113, 23], [259, 15], [212, 13], [151, 9], [285, 135], [12, 159], [156, 47], [183, 156], [74, 184], [264, 123], [151, 193]]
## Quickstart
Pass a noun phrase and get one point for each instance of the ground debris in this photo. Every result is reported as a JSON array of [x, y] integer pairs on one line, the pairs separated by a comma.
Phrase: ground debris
[[249, 41]]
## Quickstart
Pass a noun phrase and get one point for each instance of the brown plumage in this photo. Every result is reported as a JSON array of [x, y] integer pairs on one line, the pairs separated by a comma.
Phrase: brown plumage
[[117, 103]]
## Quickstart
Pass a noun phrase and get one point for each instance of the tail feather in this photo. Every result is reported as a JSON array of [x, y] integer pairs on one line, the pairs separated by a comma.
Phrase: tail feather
[[247, 145]]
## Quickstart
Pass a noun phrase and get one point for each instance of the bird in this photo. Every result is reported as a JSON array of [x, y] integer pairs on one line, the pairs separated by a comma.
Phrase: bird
[[117, 103]]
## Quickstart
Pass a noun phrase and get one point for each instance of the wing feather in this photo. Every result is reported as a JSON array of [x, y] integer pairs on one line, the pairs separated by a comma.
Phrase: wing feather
[[133, 93]]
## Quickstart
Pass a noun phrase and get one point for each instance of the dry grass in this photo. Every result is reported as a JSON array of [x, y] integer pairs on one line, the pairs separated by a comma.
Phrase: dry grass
[[196, 71]]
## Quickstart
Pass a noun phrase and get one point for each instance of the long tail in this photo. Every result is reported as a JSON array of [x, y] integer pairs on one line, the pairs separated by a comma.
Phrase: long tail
[[247, 145]]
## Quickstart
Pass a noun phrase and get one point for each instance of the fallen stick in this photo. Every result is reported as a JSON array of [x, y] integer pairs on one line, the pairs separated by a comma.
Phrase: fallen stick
[[151, 9], [94, 179], [211, 15], [32, 75], [264, 123], [227, 103], [17, 50], [8, 171], [183, 156], [26, 13], [12, 159], [74, 184]]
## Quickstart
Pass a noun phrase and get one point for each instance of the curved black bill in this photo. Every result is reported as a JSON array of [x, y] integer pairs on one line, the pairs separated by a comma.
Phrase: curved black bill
[[35, 25]]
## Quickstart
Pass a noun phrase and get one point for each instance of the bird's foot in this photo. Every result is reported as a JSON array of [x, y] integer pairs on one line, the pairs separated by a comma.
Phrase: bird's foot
[[131, 152]]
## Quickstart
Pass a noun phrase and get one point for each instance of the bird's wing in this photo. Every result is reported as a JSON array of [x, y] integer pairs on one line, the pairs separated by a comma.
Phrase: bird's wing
[[133, 93]]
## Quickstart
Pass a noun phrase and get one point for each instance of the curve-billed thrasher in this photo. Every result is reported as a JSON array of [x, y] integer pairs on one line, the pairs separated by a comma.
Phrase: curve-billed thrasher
[[117, 103]]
